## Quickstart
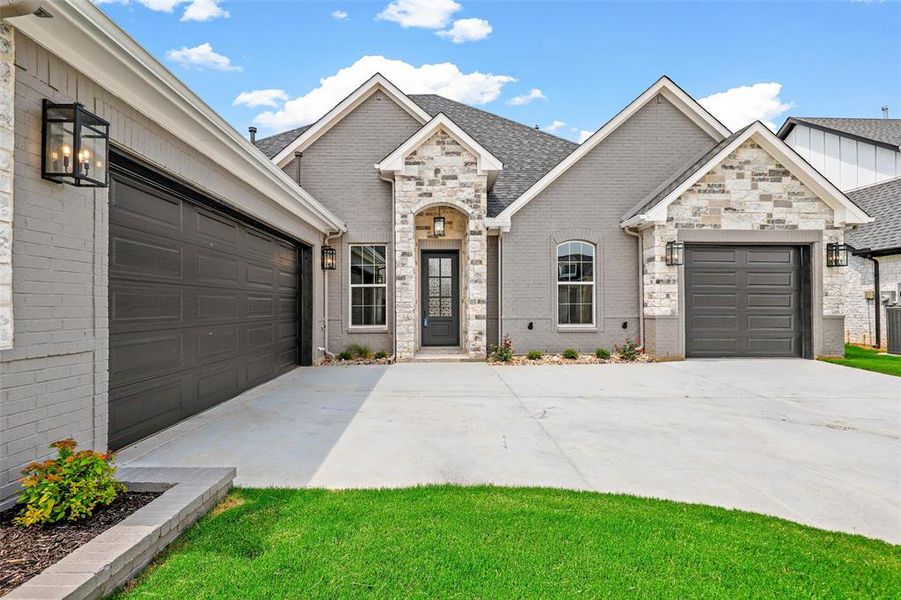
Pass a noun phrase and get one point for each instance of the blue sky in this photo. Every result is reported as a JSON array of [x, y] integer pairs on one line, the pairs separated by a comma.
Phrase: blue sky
[[587, 59]]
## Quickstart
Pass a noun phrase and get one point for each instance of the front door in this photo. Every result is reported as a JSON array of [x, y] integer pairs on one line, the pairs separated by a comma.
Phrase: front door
[[440, 298]]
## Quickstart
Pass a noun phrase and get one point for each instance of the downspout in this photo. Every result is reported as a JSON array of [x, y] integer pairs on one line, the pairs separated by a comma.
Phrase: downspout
[[867, 254], [393, 263], [324, 348], [637, 235]]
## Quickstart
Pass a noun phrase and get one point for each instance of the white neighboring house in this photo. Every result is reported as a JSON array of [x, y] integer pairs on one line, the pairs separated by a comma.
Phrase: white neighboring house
[[862, 157]]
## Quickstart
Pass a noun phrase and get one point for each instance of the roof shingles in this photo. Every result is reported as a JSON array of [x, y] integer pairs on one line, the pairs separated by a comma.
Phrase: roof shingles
[[882, 202]]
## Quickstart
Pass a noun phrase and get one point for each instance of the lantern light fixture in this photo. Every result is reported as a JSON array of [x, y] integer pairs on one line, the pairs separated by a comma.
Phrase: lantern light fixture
[[675, 254], [329, 258], [837, 255], [438, 224], [74, 146]]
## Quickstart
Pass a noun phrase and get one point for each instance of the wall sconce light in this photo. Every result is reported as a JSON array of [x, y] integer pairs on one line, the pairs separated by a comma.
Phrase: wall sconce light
[[75, 146], [329, 258], [837, 255], [438, 224], [675, 254]]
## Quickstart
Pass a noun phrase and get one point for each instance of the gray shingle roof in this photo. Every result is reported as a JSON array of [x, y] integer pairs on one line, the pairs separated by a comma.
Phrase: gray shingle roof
[[679, 178], [884, 131], [527, 153], [882, 202], [272, 145]]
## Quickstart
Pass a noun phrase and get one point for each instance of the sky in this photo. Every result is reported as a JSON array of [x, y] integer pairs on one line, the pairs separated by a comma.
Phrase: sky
[[566, 67]]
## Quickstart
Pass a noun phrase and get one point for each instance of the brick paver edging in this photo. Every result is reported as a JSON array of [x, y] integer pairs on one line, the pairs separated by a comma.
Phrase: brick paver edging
[[121, 552]]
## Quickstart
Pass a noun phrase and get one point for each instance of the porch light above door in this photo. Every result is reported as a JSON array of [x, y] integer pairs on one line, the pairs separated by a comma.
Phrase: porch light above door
[[438, 224], [74, 146], [837, 255], [675, 254], [329, 258]]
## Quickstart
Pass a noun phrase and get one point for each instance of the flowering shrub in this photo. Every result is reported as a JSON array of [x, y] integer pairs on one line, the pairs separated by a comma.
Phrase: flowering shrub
[[504, 352], [68, 487]]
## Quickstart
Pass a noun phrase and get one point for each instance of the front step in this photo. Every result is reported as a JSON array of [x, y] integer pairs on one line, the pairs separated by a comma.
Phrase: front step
[[440, 354]]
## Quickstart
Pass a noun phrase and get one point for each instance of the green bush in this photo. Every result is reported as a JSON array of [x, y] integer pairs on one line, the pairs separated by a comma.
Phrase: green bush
[[504, 352], [381, 355], [534, 355], [570, 354], [602, 353], [346, 355], [628, 351], [360, 351], [67, 488]]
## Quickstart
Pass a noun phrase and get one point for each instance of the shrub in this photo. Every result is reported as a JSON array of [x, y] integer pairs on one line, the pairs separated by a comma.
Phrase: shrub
[[504, 352], [628, 351], [534, 355], [67, 488], [346, 355], [360, 351], [570, 354], [381, 355], [602, 353]]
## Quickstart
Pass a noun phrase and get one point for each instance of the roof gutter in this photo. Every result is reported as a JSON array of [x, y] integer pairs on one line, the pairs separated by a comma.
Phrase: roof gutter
[[120, 65]]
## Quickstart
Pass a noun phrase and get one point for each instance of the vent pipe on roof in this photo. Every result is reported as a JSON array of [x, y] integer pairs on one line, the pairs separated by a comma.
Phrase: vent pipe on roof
[[885, 112], [253, 134]]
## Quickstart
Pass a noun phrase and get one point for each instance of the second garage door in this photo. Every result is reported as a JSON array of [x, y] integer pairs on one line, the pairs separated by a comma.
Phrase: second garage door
[[202, 303], [746, 301]]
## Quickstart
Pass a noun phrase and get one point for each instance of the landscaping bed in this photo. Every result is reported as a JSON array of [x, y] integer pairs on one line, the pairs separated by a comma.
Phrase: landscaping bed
[[26, 551], [490, 542], [583, 359], [868, 360]]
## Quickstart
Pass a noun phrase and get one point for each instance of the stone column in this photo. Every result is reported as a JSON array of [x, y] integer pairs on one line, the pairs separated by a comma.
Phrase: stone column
[[7, 146], [405, 314]]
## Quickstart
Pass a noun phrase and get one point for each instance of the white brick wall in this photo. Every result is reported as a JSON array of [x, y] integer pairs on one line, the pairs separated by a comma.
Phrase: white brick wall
[[860, 316], [7, 125]]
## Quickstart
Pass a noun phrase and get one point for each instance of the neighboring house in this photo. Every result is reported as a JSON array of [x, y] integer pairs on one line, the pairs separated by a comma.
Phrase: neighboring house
[[863, 158], [189, 279], [558, 245], [195, 274]]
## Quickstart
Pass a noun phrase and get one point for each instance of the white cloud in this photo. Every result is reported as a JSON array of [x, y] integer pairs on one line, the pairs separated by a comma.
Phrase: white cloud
[[736, 107], [429, 14], [533, 94], [201, 57], [204, 10], [196, 10], [270, 97], [340, 15], [583, 134], [554, 126], [445, 79], [467, 30]]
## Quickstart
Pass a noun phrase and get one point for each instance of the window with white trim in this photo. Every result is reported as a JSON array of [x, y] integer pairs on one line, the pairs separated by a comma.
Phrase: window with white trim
[[575, 284], [368, 285]]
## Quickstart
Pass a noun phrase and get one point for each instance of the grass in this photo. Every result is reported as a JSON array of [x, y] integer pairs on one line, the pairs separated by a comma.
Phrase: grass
[[491, 542], [869, 360]]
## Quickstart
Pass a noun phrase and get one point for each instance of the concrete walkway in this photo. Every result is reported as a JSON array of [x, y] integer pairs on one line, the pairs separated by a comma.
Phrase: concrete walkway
[[815, 443]]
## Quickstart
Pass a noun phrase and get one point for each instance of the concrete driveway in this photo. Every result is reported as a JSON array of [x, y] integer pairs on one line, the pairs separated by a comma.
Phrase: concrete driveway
[[815, 443]]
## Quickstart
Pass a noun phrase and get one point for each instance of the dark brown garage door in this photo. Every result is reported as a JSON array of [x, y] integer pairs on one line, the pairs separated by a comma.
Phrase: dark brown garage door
[[202, 306], [746, 301]]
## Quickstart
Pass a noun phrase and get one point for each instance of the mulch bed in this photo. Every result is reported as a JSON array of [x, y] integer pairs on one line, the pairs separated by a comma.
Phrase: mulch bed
[[584, 359], [26, 551]]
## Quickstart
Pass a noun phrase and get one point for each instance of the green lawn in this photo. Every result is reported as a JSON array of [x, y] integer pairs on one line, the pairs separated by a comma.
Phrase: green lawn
[[490, 542], [870, 360]]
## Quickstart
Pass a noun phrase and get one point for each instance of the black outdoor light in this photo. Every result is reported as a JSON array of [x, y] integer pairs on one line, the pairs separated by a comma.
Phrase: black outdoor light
[[75, 146], [329, 258], [837, 255], [438, 224], [675, 254]]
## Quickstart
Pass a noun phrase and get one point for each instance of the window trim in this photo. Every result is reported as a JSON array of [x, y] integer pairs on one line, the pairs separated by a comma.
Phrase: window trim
[[593, 283], [350, 287]]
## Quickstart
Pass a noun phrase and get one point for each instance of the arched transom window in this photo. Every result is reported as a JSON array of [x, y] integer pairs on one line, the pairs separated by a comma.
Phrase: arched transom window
[[575, 284]]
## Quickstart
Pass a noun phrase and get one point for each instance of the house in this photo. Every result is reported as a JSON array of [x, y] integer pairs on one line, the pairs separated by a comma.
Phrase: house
[[191, 268], [557, 245], [862, 157]]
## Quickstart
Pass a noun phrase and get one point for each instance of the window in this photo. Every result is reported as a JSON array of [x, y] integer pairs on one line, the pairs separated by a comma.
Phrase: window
[[368, 286], [575, 284]]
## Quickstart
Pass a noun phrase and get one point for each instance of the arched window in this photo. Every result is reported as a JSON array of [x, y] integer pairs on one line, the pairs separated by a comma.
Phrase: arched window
[[575, 284]]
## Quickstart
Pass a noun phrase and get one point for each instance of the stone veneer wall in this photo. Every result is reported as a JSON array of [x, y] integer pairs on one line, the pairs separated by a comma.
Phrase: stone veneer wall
[[860, 318], [441, 172], [7, 145], [750, 190]]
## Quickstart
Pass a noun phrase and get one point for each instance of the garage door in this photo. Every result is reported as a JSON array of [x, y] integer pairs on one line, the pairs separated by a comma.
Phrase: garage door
[[202, 306], [746, 301]]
